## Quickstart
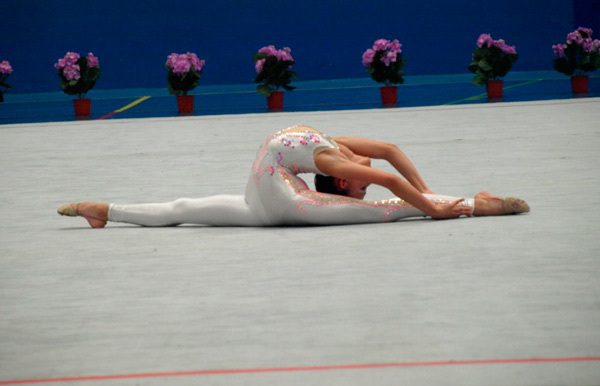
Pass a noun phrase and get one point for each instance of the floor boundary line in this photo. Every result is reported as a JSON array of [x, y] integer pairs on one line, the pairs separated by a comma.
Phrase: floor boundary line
[[297, 369], [126, 107]]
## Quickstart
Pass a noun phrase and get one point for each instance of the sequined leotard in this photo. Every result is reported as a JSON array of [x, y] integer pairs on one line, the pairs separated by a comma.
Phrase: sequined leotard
[[275, 195]]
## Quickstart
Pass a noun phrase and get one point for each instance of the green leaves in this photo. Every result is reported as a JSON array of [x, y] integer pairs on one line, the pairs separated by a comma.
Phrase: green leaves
[[275, 74], [576, 60], [392, 74], [490, 63], [180, 85]]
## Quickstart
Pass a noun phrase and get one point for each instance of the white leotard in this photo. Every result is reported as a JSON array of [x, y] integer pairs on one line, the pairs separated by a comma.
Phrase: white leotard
[[275, 195]]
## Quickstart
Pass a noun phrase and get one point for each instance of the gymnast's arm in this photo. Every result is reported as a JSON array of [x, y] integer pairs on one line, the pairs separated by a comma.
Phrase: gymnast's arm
[[335, 164], [389, 152]]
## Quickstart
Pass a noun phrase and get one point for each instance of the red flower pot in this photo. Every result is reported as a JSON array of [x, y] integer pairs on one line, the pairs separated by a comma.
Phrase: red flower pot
[[494, 89], [185, 104], [83, 107], [580, 84], [275, 101], [389, 95]]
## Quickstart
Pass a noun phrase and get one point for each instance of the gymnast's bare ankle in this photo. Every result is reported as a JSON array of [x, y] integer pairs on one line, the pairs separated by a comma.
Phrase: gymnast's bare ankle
[[96, 213]]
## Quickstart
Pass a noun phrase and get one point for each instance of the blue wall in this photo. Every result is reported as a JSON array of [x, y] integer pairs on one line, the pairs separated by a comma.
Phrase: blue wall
[[132, 38]]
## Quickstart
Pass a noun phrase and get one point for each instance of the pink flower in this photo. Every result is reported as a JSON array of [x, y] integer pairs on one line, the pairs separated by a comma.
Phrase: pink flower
[[5, 67], [501, 44], [559, 50], [268, 50], [72, 72], [92, 61], [484, 39], [72, 57], [181, 64], [171, 60], [585, 32], [395, 46], [259, 65], [389, 58], [196, 62], [284, 54], [60, 64], [380, 44], [367, 57]]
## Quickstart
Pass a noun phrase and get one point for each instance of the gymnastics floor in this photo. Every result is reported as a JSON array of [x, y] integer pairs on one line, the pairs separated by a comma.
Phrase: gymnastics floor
[[511, 300]]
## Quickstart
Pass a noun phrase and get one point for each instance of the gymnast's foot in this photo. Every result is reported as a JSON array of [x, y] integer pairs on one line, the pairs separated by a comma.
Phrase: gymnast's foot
[[96, 213], [487, 204]]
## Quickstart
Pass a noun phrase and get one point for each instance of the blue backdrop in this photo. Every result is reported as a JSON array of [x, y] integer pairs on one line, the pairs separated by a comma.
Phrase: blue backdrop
[[133, 38]]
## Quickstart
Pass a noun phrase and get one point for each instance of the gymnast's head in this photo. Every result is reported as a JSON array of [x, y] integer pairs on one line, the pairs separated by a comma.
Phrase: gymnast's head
[[342, 187]]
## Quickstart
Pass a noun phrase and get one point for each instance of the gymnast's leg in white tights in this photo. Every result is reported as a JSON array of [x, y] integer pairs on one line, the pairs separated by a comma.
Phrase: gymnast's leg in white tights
[[230, 210], [221, 210]]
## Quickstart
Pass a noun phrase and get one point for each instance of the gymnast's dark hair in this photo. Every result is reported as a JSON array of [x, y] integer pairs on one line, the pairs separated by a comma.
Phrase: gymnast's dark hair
[[326, 184]]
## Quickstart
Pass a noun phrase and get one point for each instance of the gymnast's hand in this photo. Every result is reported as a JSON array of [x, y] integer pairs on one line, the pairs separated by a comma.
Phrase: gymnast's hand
[[451, 210]]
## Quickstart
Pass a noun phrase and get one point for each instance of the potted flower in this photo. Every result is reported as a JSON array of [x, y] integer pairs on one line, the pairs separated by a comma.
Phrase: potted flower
[[184, 71], [78, 75], [5, 71], [385, 64], [580, 54], [274, 71], [492, 60]]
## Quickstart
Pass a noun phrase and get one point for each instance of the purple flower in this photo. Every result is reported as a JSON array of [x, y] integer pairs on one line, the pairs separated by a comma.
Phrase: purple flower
[[92, 60], [484, 39], [259, 65], [585, 32], [559, 50], [574, 37], [596, 45], [5, 67], [587, 45]]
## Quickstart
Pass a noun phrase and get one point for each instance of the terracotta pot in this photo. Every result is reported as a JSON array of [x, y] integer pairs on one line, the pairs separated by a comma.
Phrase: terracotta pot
[[275, 101], [580, 84], [83, 107], [185, 104], [389, 95], [494, 89]]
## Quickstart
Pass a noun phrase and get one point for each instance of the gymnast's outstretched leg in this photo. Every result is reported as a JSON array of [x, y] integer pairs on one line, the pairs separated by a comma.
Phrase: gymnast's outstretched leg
[[220, 210]]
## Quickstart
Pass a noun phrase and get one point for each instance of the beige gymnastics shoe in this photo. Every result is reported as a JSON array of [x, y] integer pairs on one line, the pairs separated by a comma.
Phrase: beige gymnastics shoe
[[514, 205], [95, 213]]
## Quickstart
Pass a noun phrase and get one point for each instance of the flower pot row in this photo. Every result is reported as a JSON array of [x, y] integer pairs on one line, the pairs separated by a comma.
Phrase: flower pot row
[[389, 97]]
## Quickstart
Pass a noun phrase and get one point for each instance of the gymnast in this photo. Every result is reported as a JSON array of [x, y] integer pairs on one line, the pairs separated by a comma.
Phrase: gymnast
[[275, 195]]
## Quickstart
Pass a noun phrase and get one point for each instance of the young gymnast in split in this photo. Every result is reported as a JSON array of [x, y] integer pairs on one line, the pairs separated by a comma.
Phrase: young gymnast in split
[[275, 195]]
